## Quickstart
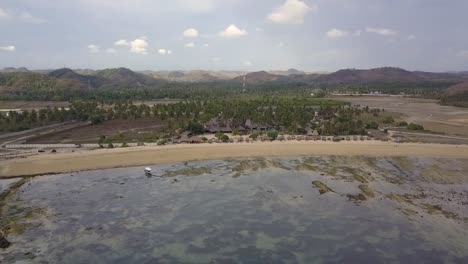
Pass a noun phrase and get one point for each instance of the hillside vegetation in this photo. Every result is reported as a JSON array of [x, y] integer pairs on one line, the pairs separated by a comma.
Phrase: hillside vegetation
[[124, 84], [456, 95]]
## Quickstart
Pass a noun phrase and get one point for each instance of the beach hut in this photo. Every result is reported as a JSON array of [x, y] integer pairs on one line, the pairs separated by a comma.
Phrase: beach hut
[[195, 140]]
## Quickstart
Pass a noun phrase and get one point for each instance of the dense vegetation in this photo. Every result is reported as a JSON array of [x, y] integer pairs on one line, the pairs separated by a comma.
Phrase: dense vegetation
[[124, 84], [285, 114], [17, 121]]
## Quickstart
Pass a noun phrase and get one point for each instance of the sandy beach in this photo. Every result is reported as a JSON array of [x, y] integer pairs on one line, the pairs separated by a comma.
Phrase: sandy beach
[[141, 156]]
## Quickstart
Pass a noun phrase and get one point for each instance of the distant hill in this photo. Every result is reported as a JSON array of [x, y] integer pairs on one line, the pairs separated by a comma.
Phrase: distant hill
[[456, 95], [123, 77], [288, 72], [194, 76], [184, 76], [259, 77], [28, 85], [387, 75], [85, 80], [12, 69], [67, 83]]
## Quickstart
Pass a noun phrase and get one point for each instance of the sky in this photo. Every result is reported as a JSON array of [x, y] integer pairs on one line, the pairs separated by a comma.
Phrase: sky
[[310, 35]]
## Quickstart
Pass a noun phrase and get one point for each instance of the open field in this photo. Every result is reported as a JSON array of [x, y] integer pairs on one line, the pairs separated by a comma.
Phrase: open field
[[140, 156], [134, 129], [434, 117], [30, 105]]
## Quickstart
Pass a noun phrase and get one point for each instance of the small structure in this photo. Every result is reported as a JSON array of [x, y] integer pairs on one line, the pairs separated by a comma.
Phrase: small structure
[[185, 137], [148, 171], [195, 140]]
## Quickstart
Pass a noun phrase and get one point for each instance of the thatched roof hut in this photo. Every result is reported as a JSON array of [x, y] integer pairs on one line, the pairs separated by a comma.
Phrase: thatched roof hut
[[195, 140]]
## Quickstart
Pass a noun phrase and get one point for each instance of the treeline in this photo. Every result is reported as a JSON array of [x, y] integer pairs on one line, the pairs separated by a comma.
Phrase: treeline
[[13, 121], [27, 86], [286, 114], [423, 89]]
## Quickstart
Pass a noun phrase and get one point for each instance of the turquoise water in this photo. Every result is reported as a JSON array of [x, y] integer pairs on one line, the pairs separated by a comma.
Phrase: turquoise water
[[245, 211]]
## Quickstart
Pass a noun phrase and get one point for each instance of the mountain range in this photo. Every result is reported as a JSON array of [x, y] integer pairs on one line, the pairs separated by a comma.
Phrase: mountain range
[[19, 81], [125, 76]]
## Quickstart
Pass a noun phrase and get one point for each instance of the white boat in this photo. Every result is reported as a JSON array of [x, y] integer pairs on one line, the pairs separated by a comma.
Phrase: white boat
[[148, 171]]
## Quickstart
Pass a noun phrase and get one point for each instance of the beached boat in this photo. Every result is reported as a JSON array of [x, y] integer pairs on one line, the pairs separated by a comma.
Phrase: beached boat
[[148, 171]]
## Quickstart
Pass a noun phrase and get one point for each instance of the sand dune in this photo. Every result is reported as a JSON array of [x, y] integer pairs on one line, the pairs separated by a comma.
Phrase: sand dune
[[140, 156]]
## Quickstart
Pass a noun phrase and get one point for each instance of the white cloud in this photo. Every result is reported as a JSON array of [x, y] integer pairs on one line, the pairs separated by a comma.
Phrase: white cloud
[[337, 33], [216, 59], [233, 32], [357, 33], [8, 48], [411, 37], [165, 52], [382, 31], [93, 48], [191, 33], [190, 45], [259, 29], [28, 18], [122, 42], [139, 46], [291, 12], [111, 50], [280, 45], [247, 63], [206, 45]]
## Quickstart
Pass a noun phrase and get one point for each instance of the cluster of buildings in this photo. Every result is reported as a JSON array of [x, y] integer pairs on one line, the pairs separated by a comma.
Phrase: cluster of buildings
[[216, 125]]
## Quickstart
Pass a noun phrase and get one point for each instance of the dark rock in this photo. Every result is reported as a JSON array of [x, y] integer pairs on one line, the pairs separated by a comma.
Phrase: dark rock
[[4, 243]]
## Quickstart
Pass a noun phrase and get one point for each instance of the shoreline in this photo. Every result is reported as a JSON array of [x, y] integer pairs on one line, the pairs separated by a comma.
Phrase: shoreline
[[86, 160]]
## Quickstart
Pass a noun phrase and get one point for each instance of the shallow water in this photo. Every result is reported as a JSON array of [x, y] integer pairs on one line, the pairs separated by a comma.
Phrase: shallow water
[[245, 211]]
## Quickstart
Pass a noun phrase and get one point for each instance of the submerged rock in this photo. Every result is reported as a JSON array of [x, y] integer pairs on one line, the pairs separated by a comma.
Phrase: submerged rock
[[4, 243], [322, 187], [357, 197], [366, 190]]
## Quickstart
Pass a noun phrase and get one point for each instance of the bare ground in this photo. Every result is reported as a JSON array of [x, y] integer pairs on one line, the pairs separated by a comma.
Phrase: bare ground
[[433, 116]]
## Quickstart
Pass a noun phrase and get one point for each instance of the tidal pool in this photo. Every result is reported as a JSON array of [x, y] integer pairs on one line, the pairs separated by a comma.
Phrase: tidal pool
[[281, 210]]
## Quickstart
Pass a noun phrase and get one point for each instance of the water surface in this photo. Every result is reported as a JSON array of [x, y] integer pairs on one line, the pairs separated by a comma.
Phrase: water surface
[[245, 211]]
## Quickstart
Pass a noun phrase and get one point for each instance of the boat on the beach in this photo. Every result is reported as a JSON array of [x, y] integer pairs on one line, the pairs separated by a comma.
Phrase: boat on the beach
[[148, 171]]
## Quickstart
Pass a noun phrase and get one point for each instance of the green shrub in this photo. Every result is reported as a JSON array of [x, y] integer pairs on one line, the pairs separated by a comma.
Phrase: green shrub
[[413, 126], [388, 120], [272, 134], [402, 124], [254, 136], [372, 125], [224, 138], [219, 135], [195, 128]]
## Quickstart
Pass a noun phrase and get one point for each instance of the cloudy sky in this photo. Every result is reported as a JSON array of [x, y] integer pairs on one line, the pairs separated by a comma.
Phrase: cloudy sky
[[313, 35]]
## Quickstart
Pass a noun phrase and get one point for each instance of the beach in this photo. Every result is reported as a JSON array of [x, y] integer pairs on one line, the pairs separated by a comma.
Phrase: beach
[[142, 156]]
